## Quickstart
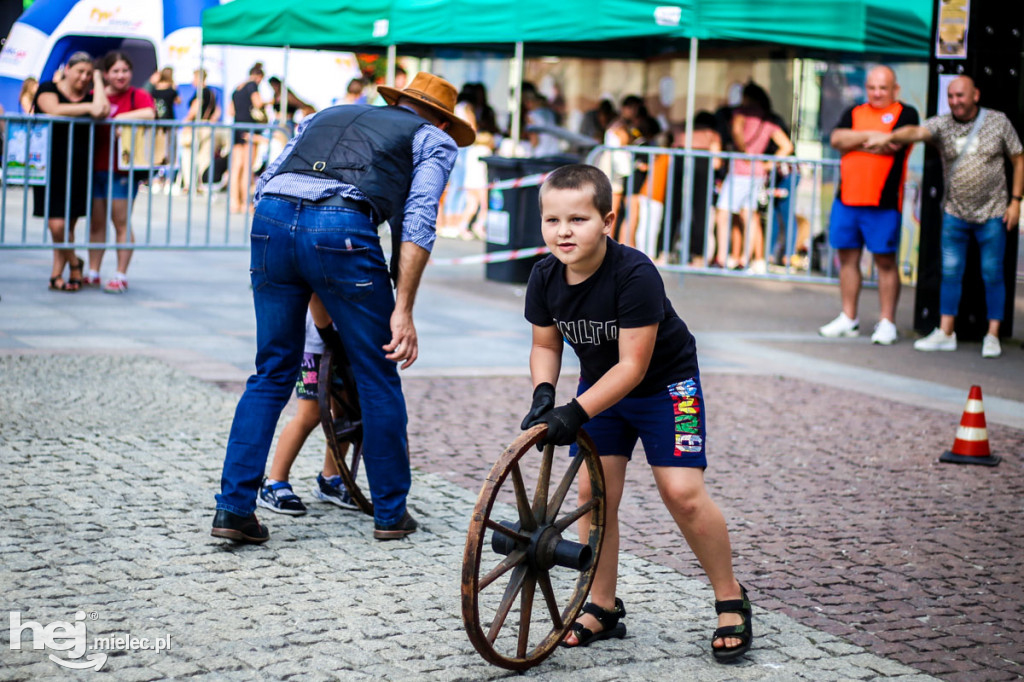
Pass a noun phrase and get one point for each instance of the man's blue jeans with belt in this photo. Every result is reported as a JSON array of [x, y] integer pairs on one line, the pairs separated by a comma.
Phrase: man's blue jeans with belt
[[297, 249]]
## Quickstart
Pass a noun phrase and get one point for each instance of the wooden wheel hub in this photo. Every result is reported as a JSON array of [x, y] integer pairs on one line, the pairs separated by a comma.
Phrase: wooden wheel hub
[[546, 548]]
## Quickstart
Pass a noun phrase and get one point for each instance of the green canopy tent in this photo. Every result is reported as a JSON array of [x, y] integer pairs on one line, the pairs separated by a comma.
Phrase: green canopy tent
[[328, 24], [851, 26], [586, 28], [590, 28], [325, 24]]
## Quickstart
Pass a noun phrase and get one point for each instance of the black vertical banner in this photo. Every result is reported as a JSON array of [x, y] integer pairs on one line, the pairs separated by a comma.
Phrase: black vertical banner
[[989, 47]]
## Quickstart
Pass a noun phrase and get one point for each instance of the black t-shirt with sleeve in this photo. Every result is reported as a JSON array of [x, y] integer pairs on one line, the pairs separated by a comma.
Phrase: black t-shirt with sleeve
[[626, 292], [242, 98], [163, 99], [208, 105]]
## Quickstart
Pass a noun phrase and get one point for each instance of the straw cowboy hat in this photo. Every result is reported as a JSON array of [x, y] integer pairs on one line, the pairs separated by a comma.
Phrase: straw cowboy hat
[[438, 95]]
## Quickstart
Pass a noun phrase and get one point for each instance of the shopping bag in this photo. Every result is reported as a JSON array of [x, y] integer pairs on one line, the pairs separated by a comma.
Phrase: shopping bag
[[143, 148]]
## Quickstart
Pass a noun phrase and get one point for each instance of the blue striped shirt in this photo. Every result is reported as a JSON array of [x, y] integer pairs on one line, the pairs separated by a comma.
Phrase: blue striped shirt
[[433, 155]]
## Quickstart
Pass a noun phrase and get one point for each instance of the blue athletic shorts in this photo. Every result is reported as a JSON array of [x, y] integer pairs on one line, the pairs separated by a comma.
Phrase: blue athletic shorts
[[670, 424], [852, 227]]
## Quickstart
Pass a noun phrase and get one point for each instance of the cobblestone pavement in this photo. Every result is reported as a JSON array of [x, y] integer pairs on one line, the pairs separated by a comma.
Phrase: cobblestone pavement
[[110, 465], [840, 514]]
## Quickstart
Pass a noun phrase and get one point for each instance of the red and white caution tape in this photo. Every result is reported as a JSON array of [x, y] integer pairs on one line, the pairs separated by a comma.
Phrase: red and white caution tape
[[525, 181], [493, 256]]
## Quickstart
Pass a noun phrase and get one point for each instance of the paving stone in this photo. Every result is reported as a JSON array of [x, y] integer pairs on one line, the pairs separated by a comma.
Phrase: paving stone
[[323, 600]]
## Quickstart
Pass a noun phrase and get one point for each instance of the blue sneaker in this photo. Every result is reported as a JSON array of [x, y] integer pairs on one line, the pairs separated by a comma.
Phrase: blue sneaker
[[278, 497], [333, 490]]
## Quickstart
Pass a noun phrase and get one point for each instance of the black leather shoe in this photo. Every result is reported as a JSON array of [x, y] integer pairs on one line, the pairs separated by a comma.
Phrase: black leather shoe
[[239, 528], [397, 530]]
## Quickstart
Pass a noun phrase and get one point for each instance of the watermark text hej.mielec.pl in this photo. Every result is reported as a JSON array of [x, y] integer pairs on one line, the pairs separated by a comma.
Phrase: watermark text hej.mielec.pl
[[72, 638]]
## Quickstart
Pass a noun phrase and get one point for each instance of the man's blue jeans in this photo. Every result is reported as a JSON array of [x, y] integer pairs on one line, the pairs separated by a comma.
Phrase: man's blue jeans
[[956, 235], [297, 249]]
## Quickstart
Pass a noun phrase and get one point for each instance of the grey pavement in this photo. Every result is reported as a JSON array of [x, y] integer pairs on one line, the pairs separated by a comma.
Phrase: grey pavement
[[114, 416], [111, 518]]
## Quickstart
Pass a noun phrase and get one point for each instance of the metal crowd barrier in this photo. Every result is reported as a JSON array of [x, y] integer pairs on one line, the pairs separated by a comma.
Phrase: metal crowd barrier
[[790, 206], [180, 205], [182, 169]]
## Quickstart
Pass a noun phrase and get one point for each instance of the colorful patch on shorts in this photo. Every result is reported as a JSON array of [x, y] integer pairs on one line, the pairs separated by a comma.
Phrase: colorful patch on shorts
[[686, 410], [309, 377]]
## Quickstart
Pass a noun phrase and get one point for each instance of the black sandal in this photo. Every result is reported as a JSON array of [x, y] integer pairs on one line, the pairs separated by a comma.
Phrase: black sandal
[[58, 284], [609, 621], [744, 632], [76, 281]]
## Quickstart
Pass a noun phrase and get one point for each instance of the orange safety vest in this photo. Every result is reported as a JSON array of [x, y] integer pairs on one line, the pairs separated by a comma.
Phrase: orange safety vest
[[864, 175]]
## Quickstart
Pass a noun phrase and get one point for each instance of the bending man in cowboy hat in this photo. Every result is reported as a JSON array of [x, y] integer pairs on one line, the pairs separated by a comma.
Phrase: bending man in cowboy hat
[[348, 169]]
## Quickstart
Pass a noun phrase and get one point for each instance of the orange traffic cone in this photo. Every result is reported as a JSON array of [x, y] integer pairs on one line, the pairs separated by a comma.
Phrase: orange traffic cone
[[971, 444]]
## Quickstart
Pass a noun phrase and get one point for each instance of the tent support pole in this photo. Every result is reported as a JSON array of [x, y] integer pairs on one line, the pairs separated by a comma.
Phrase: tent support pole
[[392, 64], [517, 95], [691, 94], [282, 116]]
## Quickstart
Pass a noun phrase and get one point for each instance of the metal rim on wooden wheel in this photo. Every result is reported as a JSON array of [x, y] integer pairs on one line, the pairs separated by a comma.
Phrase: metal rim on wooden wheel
[[531, 554], [344, 434]]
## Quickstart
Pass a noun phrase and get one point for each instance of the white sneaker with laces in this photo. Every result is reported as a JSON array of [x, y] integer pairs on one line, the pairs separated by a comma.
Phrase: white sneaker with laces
[[758, 267], [885, 333], [990, 347], [842, 326], [937, 340]]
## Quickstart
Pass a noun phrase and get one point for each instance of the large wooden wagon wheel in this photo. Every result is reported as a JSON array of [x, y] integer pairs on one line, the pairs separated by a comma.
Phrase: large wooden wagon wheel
[[529, 552], [342, 421]]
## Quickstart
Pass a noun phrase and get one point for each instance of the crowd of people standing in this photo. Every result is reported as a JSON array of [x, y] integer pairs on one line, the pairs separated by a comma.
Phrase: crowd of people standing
[[97, 90]]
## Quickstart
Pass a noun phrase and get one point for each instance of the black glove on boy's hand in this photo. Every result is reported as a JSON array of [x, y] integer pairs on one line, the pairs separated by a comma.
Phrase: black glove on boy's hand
[[564, 423], [330, 337], [543, 401]]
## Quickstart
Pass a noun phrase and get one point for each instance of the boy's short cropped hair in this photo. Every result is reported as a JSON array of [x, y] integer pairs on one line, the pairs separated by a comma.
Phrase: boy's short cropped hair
[[582, 176]]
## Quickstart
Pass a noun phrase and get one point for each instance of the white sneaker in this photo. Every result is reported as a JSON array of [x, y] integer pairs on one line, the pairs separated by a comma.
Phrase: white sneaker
[[842, 326], [885, 333], [758, 267], [937, 340], [990, 347]]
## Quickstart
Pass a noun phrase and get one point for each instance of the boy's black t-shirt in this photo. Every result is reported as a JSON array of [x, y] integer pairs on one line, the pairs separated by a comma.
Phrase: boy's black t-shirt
[[626, 292]]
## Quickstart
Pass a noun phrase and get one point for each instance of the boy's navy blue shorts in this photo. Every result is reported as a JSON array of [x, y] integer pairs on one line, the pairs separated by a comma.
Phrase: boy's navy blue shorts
[[670, 424]]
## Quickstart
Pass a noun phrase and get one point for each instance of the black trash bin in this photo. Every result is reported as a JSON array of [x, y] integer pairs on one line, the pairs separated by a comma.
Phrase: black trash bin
[[513, 214]]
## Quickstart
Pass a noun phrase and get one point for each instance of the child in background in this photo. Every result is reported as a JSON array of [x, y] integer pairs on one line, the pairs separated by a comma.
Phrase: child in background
[[276, 492], [639, 379]]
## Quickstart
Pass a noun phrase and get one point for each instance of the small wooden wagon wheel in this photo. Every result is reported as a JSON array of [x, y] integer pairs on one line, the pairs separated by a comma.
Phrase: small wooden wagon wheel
[[342, 421], [529, 552]]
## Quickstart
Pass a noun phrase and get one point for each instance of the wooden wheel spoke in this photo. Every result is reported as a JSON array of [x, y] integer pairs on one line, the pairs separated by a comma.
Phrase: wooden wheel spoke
[[515, 583], [549, 599], [540, 496], [575, 515], [563, 487], [526, 613], [511, 561], [506, 531], [527, 520]]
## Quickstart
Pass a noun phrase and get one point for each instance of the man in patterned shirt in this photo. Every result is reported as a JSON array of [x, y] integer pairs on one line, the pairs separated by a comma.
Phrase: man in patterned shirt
[[975, 203], [348, 169]]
